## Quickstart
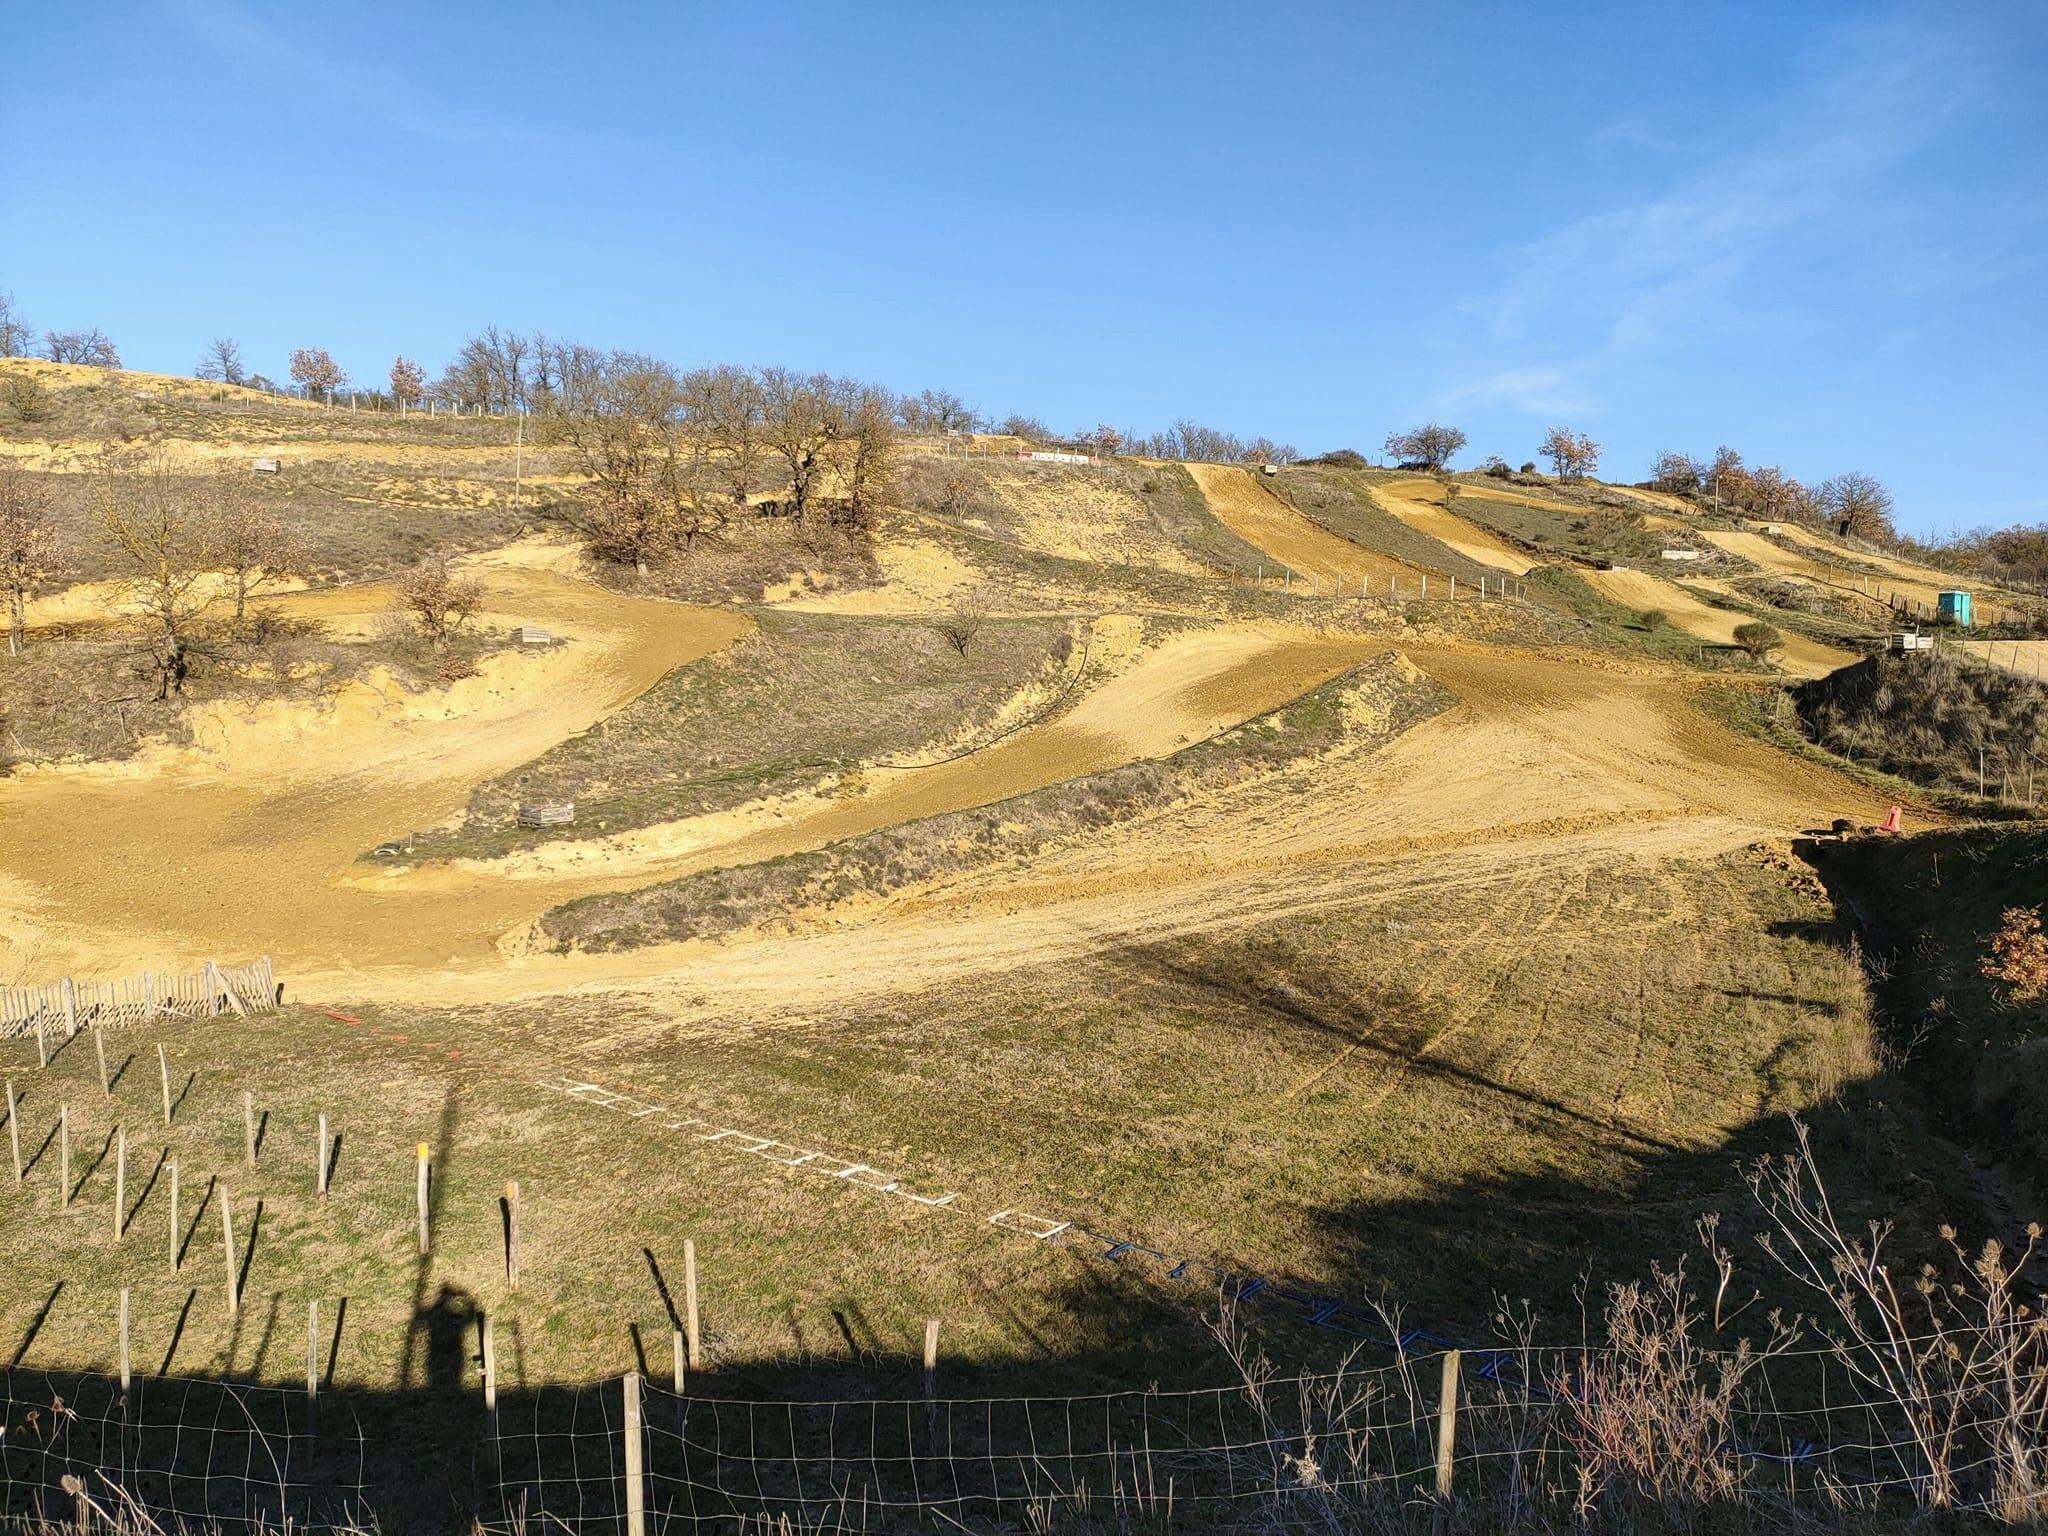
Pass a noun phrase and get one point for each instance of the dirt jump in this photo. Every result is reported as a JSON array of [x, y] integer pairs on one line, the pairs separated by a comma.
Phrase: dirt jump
[[1424, 505], [1640, 590], [1269, 524], [249, 842]]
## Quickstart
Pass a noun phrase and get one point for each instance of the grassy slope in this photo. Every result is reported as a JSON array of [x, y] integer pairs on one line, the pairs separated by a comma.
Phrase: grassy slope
[[1252, 1098], [719, 901], [1339, 500], [806, 696]]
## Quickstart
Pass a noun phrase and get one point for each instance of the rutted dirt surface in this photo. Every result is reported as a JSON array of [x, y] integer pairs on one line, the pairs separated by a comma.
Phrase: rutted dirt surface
[[1802, 657], [1420, 503], [248, 844], [1263, 520]]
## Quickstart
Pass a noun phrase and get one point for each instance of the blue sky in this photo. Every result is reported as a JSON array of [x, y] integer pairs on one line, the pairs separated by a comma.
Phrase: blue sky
[[1814, 232]]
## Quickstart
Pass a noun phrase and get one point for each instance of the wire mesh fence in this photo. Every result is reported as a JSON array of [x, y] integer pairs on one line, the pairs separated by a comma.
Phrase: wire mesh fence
[[1523, 1437]]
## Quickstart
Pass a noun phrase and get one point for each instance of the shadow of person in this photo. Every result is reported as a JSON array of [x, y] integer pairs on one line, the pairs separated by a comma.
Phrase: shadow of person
[[444, 1326]]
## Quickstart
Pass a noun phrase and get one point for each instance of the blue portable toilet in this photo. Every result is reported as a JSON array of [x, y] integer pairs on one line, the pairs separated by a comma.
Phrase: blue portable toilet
[[1955, 608]]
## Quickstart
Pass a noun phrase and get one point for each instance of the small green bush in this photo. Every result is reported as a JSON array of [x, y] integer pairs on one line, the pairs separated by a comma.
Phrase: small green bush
[[25, 396], [1759, 638]]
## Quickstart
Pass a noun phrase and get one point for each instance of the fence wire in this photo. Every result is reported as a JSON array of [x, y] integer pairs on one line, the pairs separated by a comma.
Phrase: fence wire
[[1802, 1433]]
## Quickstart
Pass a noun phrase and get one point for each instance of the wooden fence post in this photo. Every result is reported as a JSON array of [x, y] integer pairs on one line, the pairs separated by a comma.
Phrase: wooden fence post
[[149, 1000], [249, 1127], [1446, 1435], [313, 1366], [99, 1048], [679, 1366], [512, 1234], [63, 1156], [163, 1077], [931, 1371], [421, 1183], [120, 1182], [42, 1045], [14, 1130], [174, 1215], [636, 1469], [70, 1008], [227, 1238], [127, 1374], [690, 1304], [322, 1150], [490, 1353]]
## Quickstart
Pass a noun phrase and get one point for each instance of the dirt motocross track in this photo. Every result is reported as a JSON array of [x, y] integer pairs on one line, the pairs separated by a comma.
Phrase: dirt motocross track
[[250, 842]]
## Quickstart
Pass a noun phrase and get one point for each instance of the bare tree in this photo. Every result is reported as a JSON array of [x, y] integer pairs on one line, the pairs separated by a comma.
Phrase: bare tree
[[965, 616], [408, 382], [733, 412], [221, 361], [1106, 440], [16, 336], [93, 348], [799, 425], [867, 424], [936, 410], [1759, 639], [437, 600], [1428, 446], [314, 370], [1677, 472], [251, 546], [161, 540], [489, 373], [28, 545], [1859, 506], [654, 484], [1029, 428], [1572, 456]]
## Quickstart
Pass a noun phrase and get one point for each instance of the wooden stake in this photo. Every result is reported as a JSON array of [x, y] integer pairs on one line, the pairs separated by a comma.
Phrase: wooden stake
[[64, 1157], [14, 1131], [313, 1364], [422, 1184], [149, 1001], [690, 1305], [680, 1366], [174, 1215], [931, 1359], [320, 1173], [127, 1373], [70, 1008], [163, 1077], [99, 1047], [120, 1182], [1447, 1432], [636, 1471], [490, 1377], [227, 1238], [249, 1127], [42, 1046], [512, 1234]]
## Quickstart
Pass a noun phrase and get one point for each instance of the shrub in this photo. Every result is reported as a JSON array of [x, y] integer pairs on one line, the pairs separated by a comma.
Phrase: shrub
[[2019, 955], [1529, 468], [1497, 467], [1341, 458], [1653, 619], [25, 396], [1759, 638]]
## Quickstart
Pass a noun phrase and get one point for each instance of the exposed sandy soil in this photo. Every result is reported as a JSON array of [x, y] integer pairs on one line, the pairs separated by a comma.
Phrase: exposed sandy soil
[[919, 576], [1916, 582], [1640, 590], [1420, 503], [1076, 517], [2029, 658], [1263, 520], [246, 844]]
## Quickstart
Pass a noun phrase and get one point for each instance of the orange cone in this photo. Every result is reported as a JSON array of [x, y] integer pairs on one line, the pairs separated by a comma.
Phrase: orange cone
[[1891, 822]]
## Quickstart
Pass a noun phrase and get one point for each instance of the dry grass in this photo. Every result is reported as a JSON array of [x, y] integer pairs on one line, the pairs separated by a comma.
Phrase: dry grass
[[805, 697], [1385, 692]]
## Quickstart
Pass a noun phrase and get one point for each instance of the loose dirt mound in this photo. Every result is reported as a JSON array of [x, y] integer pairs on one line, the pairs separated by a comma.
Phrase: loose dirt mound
[[1267, 523], [1640, 590], [1420, 502]]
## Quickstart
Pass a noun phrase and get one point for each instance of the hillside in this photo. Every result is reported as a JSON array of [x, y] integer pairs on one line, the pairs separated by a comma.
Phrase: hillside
[[1047, 904]]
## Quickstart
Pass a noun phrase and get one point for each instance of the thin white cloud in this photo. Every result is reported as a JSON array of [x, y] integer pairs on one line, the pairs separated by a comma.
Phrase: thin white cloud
[[1634, 277], [1537, 389], [259, 50]]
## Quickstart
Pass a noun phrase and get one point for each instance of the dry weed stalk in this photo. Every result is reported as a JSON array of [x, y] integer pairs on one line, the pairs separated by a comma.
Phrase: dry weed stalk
[[1960, 1358]]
